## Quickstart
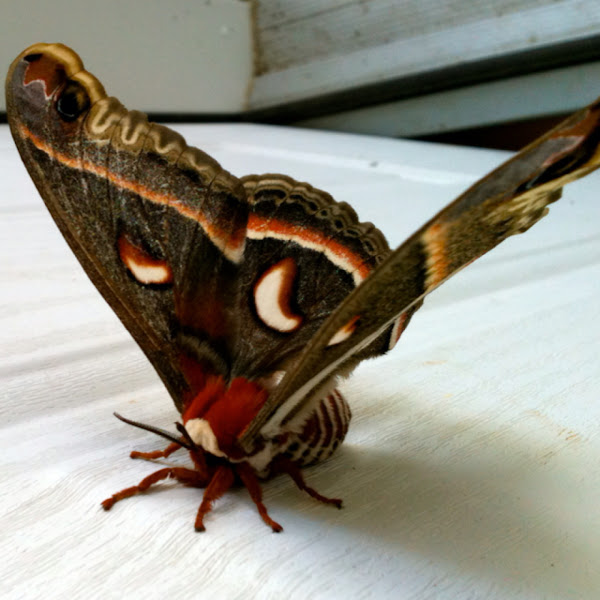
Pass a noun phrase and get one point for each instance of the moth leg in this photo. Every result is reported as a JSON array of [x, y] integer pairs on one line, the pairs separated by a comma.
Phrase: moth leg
[[183, 475], [156, 453], [284, 465], [221, 481], [250, 480], [199, 460]]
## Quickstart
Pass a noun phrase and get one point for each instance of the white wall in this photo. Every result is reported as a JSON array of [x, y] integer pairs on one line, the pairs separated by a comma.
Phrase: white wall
[[154, 55]]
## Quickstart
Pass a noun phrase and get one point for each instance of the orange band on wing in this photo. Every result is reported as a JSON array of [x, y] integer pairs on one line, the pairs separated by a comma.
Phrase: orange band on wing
[[232, 245], [338, 254], [434, 242]]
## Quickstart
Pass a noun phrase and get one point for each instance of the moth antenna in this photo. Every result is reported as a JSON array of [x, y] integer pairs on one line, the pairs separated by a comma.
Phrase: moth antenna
[[158, 431], [195, 450]]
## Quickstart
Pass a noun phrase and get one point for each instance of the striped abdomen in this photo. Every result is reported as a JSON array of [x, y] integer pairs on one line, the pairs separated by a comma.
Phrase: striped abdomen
[[324, 430]]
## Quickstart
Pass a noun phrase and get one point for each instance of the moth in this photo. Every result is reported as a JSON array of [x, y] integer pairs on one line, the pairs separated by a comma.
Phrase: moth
[[251, 297]]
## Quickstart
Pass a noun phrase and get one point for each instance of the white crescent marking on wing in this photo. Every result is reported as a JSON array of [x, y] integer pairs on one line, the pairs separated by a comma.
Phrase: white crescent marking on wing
[[158, 273], [271, 295]]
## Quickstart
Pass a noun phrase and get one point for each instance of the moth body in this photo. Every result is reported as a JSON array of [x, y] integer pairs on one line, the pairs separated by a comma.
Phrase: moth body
[[250, 296], [311, 437]]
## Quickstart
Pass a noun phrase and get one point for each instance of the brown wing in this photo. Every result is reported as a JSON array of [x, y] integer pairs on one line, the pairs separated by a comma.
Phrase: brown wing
[[180, 249], [507, 201], [158, 226], [304, 254]]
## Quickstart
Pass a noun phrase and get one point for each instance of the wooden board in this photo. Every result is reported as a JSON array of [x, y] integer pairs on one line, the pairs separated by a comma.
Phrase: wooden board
[[471, 467]]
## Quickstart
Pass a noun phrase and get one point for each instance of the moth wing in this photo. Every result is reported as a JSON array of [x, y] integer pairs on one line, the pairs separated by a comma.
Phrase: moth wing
[[158, 226], [507, 201], [304, 254]]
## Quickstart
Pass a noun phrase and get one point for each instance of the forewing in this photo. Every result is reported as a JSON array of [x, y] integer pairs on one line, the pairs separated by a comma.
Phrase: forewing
[[158, 226]]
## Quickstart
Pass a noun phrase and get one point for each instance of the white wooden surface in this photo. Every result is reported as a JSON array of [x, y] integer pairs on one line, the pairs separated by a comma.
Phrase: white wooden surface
[[315, 47], [472, 466], [540, 94], [293, 33]]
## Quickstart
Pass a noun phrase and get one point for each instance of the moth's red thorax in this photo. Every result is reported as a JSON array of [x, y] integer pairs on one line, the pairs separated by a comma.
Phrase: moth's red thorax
[[227, 409]]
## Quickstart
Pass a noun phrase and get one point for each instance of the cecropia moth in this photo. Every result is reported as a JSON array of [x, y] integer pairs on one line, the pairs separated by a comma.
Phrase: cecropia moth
[[251, 296]]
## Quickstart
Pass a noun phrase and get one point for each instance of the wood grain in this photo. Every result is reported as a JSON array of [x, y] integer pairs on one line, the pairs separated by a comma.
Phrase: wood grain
[[471, 464]]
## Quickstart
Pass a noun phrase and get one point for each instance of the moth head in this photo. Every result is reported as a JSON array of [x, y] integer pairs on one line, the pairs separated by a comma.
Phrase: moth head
[[47, 89]]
